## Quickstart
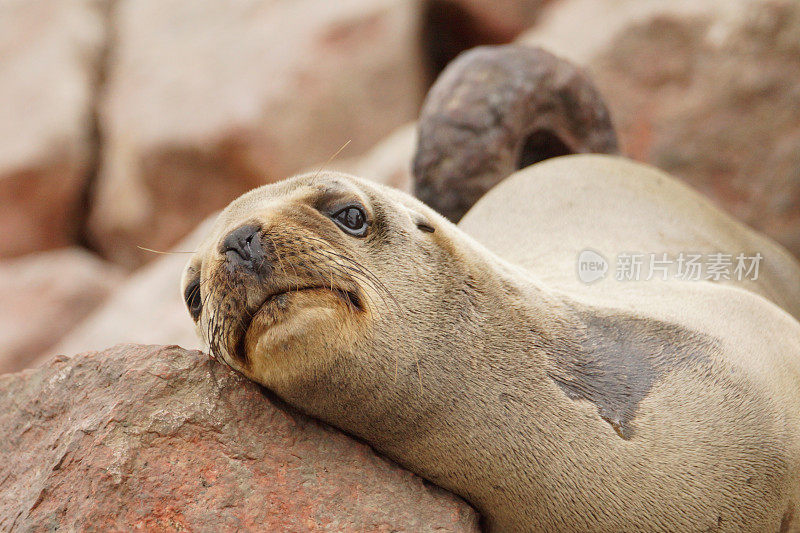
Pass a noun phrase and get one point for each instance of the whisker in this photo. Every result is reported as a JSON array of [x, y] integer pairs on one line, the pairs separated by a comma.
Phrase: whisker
[[160, 252], [345, 271], [277, 253], [194, 291], [331, 158], [351, 274], [362, 268]]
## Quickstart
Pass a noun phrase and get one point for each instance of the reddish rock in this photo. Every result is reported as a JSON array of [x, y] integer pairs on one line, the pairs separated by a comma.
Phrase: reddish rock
[[48, 51], [707, 91], [159, 438], [43, 296], [206, 100]]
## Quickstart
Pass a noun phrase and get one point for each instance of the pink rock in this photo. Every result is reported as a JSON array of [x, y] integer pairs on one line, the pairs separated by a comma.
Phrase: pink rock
[[43, 296], [159, 438], [704, 90], [147, 308], [48, 51], [206, 100]]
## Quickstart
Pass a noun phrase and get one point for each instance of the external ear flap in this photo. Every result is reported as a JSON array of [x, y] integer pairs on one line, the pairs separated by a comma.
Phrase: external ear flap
[[420, 220]]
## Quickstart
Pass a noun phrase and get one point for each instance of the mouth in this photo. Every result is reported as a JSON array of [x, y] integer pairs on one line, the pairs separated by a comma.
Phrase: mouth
[[279, 299]]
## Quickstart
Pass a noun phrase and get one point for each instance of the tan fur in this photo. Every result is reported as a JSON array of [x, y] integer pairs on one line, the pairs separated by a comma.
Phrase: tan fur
[[496, 375]]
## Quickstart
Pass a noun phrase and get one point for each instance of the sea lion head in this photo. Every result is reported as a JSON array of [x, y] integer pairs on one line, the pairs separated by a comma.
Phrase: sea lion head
[[319, 276]]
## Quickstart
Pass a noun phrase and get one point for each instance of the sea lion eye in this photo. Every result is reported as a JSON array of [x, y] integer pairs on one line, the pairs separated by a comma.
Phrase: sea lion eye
[[193, 300], [352, 220]]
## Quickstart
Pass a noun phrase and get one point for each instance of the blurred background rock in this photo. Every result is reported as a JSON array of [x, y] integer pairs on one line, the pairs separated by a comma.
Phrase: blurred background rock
[[126, 123]]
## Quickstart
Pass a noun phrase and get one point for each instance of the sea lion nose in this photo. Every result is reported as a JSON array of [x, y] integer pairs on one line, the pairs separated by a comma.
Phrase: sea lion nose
[[242, 248]]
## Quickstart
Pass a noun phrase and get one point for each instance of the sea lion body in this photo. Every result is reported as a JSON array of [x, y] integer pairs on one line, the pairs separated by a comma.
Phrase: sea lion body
[[542, 217], [487, 368]]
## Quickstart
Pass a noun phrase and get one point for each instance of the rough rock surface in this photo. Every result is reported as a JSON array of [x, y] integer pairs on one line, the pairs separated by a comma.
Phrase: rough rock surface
[[43, 296], [707, 91], [159, 438], [48, 54], [206, 100]]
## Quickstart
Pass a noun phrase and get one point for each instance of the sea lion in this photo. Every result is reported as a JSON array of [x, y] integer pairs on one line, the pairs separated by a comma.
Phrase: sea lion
[[548, 404]]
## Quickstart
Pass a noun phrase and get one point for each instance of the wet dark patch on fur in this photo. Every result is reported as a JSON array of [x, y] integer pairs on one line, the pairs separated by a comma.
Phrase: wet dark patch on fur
[[619, 358]]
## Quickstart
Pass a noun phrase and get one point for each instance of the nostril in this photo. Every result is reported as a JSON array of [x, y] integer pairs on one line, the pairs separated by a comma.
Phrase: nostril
[[241, 246]]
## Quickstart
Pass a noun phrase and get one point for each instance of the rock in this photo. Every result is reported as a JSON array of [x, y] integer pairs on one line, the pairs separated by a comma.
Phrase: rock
[[206, 100], [147, 309], [48, 51], [577, 29], [707, 91], [159, 438], [497, 109], [43, 296]]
